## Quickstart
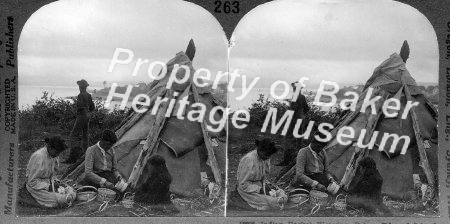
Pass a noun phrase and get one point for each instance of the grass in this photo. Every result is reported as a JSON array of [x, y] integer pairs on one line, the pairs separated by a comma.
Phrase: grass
[[56, 116], [52, 116], [241, 141]]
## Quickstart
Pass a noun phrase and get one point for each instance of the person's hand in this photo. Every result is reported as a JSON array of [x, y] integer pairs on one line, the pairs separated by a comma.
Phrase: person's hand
[[109, 185], [320, 187], [204, 182], [71, 191], [331, 179]]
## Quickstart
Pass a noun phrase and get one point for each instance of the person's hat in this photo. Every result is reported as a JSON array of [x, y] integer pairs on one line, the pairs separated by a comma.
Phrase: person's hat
[[56, 142], [294, 85], [108, 135], [83, 83]]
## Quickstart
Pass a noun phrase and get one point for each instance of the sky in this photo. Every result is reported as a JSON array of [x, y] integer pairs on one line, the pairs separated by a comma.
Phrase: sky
[[340, 41], [67, 40]]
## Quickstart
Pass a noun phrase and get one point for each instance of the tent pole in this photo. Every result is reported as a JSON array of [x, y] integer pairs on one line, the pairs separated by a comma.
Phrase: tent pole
[[135, 117], [286, 179], [351, 115], [422, 152], [347, 119], [211, 156], [151, 141], [74, 173], [360, 153]]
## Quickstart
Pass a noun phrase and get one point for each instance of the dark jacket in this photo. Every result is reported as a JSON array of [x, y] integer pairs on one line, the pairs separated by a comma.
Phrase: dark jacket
[[300, 106], [84, 102]]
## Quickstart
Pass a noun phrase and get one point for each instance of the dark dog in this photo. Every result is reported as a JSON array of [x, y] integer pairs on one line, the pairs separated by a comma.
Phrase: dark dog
[[156, 188], [366, 193]]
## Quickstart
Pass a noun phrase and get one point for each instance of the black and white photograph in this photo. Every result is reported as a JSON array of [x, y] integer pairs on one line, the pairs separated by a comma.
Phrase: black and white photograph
[[99, 134], [225, 111], [342, 115]]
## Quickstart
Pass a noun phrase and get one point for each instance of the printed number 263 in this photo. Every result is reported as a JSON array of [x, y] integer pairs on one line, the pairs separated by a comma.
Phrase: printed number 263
[[226, 6]]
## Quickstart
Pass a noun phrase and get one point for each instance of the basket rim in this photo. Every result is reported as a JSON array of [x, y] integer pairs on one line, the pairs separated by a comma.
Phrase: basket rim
[[87, 192], [86, 187]]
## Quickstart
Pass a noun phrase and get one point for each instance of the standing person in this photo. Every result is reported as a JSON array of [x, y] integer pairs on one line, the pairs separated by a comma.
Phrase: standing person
[[300, 108], [299, 105], [84, 106], [41, 170], [100, 162]]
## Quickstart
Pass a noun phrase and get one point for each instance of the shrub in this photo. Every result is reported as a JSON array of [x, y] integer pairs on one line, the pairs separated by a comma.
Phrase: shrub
[[258, 111], [59, 114]]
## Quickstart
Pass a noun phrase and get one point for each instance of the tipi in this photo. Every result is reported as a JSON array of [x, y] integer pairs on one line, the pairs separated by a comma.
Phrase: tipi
[[391, 79], [188, 147]]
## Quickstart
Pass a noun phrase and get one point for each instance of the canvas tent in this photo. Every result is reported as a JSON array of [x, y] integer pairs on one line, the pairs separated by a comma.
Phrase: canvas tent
[[187, 146], [391, 79]]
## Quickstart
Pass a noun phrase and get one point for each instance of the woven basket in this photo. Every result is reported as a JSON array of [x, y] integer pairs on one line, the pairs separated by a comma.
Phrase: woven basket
[[128, 200], [105, 194], [86, 193], [318, 198], [299, 195], [341, 203]]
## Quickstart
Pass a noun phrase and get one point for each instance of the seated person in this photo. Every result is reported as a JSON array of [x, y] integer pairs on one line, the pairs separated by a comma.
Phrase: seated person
[[311, 167], [251, 174], [100, 163], [41, 171]]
